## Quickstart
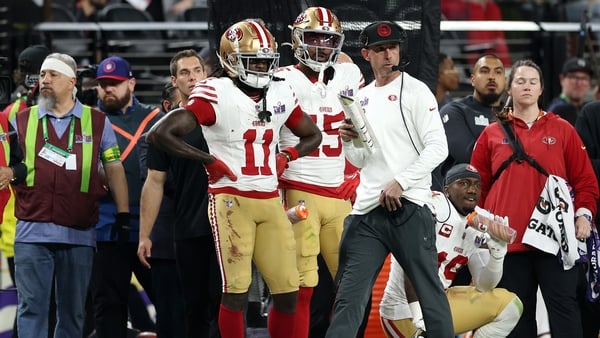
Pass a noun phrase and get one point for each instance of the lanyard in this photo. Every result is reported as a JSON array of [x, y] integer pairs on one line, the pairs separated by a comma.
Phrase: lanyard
[[71, 131]]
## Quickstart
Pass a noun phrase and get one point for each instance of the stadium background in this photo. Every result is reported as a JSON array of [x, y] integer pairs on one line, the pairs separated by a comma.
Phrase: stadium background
[[150, 51]]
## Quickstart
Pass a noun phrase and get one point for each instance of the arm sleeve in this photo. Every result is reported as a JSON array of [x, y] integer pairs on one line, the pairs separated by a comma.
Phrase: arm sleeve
[[429, 135], [486, 270], [356, 156], [203, 111], [294, 117]]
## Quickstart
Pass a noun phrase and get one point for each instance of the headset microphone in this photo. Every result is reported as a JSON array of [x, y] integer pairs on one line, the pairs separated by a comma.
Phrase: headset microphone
[[403, 63]]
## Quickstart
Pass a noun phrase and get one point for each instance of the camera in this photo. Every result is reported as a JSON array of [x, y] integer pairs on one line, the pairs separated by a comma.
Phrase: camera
[[86, 85]]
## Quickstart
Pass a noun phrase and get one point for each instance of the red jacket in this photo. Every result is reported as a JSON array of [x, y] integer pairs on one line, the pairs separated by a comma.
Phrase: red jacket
[[556, 146]]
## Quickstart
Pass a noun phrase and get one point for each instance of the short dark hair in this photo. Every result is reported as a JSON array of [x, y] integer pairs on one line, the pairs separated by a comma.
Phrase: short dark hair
[[180, 55], [486, 56], [169, 93], [441, 58]]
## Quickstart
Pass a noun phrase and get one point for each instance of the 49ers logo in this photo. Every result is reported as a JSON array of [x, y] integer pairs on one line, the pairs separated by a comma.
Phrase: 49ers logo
[[234, 34], [300, 19]]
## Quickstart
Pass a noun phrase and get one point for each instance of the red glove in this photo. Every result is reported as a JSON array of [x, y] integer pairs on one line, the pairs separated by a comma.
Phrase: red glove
[[217, 170], [281, 162], [348, 187]]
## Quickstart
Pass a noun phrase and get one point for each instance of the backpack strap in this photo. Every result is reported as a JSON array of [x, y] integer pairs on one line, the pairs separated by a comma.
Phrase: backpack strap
[[519, 153]]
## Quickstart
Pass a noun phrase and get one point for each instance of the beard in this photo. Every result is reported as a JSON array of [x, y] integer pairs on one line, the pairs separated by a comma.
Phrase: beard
[[488, 98], [47, 102], [114, 104]]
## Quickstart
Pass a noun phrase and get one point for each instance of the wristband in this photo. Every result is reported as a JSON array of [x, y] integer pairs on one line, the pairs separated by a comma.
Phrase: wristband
[[292, 152]]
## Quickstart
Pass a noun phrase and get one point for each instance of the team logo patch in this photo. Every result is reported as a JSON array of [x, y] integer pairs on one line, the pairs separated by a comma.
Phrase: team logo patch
[[364, 102], [279, 108], [548, 140], [347, 92], [109, 67], [384, 30], [301, 18], [234, 34], [83, 138], [393, 98], [229, 203], [481, 120], [471, 168], [445, 230]]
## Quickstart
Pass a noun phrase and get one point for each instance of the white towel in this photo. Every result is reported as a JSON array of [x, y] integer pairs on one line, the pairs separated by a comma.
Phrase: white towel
[[552, 225]]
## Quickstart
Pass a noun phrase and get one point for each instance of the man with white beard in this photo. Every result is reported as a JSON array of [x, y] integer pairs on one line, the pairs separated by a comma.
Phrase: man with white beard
[[64, 144]]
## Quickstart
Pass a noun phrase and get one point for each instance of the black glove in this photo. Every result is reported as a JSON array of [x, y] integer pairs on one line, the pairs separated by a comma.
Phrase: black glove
[[121, 227]]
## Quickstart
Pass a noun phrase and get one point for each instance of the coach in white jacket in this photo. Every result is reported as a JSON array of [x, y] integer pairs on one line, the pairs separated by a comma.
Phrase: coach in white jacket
[[391, 213]]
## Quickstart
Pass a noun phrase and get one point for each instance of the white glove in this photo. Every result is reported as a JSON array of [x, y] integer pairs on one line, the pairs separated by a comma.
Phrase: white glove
[[497, 248], [417, 314], [419, 324]]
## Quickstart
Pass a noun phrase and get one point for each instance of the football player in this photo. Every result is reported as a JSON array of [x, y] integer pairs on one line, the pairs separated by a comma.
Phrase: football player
[[241, 114], [492, 312], [318, 178]]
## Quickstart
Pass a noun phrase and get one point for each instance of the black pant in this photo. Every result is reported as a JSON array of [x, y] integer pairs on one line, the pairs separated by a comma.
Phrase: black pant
[[590, 312], [200, 278], [169, 298], [523, 272], [321, 304], [409, 234], [111, 279]]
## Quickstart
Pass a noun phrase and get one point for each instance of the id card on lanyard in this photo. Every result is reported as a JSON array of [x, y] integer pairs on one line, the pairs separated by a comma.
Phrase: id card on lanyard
[[55, 154]]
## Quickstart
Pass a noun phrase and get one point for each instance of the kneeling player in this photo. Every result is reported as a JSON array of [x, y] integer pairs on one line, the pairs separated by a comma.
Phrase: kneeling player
[[491, 312]]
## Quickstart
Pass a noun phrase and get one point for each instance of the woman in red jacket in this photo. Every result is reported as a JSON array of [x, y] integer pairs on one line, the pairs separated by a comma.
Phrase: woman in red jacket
[[555, 146]]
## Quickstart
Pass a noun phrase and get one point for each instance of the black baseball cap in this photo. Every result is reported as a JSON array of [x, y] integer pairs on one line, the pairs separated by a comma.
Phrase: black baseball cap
[[577, 65], [381, 32], [31, 58], [461, 170]]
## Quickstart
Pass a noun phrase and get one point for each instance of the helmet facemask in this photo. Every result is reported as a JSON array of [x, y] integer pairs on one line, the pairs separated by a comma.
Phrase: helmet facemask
[[317, 29], [259, 78], [320, 42], [244, 46]]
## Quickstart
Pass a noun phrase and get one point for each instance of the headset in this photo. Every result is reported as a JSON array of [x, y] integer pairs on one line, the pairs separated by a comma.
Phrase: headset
[[404, 61]]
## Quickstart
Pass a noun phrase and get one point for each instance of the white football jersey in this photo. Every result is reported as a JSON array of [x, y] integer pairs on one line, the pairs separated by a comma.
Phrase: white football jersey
[[455, 243], [238, 137], [325, 165]]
